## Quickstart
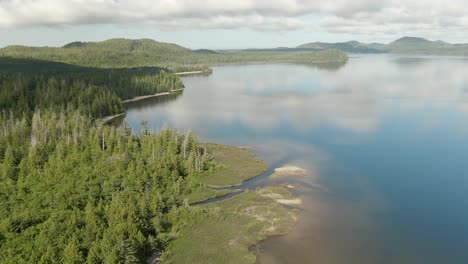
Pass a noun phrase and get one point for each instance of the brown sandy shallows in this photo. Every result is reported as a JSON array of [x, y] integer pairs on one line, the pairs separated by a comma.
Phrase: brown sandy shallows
[[289, 170]]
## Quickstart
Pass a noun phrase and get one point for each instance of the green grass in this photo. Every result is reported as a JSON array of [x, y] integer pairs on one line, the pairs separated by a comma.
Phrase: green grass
[[235, 166], [222, 232]]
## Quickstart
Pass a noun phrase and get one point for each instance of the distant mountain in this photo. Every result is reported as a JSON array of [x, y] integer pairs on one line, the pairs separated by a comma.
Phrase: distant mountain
[[377, 46], [205, 51], [350, 47], [405, 45], [421, 45]]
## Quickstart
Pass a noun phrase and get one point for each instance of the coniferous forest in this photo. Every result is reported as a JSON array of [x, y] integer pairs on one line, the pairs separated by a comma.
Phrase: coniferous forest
[[27, 85], [75, 191], [72, 191], [124, 53]]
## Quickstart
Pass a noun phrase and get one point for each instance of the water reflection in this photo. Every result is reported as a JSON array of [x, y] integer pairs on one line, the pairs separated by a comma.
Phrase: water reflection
[[327, 66], [383, 139], [256, 97]]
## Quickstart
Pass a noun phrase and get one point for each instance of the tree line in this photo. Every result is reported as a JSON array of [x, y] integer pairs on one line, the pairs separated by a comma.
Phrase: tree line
[[94, 93], [73, 192], [124, 53]]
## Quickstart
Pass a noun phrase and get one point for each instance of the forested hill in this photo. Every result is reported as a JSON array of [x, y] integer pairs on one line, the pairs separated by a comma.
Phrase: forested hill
[[412, 45], [115, 53], [120, 53], [123, 44], [404, 45], [350, 47]]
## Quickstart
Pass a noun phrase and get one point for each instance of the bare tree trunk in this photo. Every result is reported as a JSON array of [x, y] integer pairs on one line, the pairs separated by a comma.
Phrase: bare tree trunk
[[103, 146]]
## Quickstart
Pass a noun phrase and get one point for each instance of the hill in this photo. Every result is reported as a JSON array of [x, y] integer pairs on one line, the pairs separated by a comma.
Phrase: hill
[[124, 53], [404, 45], [116, 53], [350, 47], [205, 51], [412, 45]]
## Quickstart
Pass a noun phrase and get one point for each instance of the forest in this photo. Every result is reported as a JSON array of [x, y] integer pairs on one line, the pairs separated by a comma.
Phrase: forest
[[25, 86], [72, 191], [124, 53]]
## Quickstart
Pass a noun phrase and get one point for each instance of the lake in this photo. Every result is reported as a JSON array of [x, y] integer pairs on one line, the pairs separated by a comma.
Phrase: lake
[[384, 139]]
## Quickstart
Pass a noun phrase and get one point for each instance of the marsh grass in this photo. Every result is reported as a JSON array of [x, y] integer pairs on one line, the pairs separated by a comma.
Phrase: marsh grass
[[222, 232], [235, 166]]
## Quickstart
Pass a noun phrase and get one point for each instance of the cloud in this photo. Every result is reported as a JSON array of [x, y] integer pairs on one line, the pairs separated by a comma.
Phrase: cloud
[[256, 22], [433, 19], [261, 15], [367, 17]]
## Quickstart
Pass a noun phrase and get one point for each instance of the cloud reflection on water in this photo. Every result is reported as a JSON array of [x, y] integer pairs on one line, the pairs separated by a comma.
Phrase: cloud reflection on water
[[278, 107], [270, 97]]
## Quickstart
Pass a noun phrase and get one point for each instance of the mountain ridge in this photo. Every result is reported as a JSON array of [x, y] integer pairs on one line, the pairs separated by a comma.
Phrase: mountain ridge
[[403, 45]]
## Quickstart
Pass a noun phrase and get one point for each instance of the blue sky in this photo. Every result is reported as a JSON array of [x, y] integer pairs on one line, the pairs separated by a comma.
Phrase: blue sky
[[223, 24]]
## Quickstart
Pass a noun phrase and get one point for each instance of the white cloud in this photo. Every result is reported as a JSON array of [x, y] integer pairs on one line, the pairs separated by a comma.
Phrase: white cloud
[[434, 19], [225, 22], [430, 18]]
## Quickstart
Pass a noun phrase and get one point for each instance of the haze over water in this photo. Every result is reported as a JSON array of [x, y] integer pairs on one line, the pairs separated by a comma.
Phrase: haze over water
[[384, 139]]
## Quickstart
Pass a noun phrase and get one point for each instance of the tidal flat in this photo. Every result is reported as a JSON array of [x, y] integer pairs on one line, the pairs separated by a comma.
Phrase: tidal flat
[[222, 231]]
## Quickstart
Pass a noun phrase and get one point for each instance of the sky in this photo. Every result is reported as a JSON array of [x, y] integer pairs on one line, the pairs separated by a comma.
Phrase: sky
[[225, 24]]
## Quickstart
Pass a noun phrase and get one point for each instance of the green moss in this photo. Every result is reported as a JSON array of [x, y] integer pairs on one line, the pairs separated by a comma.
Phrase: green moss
[[235, 165]]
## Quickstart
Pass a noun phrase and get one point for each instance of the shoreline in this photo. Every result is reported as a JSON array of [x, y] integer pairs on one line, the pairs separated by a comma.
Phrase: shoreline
[[107, 119], [231, 227], [189, 73], [277, 218], [277, 62], [142, 97], [271, 209], [240, 165]]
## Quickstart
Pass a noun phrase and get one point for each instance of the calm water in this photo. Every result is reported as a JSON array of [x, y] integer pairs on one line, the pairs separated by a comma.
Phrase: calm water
[[384, 140]]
